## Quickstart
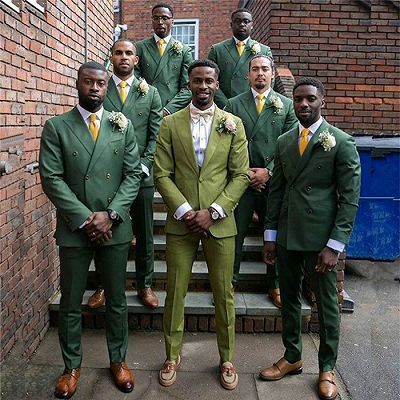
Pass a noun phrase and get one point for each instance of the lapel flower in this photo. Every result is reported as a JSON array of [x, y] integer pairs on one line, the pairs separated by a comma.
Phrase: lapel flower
[[277, 104], [255, 48], [119, 119], [177, 47], [226, 125], [143, 87], [327, 140]]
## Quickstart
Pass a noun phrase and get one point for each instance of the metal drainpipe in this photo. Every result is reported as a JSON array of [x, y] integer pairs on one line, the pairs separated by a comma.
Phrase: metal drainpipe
[[86, 30]]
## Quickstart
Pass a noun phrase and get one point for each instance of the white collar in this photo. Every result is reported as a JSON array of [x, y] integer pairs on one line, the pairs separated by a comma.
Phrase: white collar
[[244, 40], [129, 81], [192, 106], [265, 94], [166, 39], [312, 128], [85, 113]]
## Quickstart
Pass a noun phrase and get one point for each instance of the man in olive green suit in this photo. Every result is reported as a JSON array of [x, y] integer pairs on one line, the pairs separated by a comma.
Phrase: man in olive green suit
[[265, 115], [163, 61], [90, 170], [201, 170], [233, 56], [312, 205], [140, 103]]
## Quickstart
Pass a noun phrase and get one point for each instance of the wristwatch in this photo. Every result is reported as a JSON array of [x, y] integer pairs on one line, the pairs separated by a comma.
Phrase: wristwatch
[[113, 215], [214, 214], [269, 172]]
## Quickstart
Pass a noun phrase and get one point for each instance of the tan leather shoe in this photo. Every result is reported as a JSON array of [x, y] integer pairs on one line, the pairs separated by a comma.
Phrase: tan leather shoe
[[148, 298], [97, 299], [123, 377], [228, 376], [167, 374], [280, 369], [327, 389], [67, 383], [275, 295]]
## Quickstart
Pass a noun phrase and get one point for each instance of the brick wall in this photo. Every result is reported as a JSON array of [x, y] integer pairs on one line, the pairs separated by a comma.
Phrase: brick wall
[[351, 46], [39, 56]]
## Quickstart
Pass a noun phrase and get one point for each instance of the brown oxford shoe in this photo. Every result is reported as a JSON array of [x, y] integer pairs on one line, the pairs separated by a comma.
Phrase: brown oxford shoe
[[67, 383], [97, 299], [327, 389], [148, 298], [167, 374], [123, 377], [275, 295], [280, 369]]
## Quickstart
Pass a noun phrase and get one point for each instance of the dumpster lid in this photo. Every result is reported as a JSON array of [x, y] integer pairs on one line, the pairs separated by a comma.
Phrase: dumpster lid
[[370, 142]]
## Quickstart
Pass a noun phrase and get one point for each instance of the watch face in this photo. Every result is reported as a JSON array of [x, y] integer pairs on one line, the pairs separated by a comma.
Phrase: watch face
[[113, 215], [214, 215]]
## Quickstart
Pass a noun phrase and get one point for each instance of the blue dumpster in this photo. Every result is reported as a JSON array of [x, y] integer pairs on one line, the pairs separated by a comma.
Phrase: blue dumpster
[[376, 233]]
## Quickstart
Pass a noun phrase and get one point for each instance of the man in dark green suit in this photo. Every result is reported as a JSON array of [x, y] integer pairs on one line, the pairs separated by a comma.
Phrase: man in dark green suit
[[201, 171], [164, 61], [141, 104], [265, 115], [312, 204], [90, 170], [233, 56]]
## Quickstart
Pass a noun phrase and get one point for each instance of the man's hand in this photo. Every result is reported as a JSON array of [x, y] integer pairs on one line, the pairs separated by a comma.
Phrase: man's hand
[[269, 253], [99, 226], [200, 223], [102, 239], [259, 178], [327, 260]]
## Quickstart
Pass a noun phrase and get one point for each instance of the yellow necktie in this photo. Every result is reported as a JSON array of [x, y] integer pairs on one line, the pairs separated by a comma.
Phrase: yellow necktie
[[161, 46], [240, 47], [122, 91], [303, 142], [94, 130], [260, 102]]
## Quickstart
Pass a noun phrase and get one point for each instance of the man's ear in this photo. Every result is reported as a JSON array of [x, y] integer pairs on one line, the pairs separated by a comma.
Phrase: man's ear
[[323, 102]]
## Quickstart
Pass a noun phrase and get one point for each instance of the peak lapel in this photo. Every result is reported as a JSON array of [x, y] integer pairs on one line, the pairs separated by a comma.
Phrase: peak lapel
[[165, 58], [213, 140], [132, 96], [266, 113], [232, 50], [244, 57], [113, 95]]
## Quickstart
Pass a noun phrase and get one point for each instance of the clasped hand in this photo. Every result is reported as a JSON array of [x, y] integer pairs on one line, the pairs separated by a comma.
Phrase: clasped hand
[[258, 178], [98, 227], [198, 222]]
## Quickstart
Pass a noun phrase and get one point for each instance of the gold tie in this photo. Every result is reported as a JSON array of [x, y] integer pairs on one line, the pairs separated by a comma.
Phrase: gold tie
[[94, 130], [260, 102], [303, 142], [122, 91], [161, 46], [240, 47]]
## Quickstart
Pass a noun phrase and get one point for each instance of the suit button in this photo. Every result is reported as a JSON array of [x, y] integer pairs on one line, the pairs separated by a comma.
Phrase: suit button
[[116, 151], [272, 122], [266, 140], [308, 188], [140, 114], [266, 158], [309, 211], [108, 176], [109, 200], [319, 166], [87, 177], [148, 65], [75, 153]]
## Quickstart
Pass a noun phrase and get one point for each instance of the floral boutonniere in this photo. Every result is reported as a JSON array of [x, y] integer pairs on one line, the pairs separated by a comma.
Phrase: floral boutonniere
[[143, 87], [226, 125], [177, 47], [255, 48], [277, 104], [327, 140], [119, 119]]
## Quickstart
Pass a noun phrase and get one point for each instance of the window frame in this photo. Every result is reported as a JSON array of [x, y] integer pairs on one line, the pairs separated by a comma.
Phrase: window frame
[[37, 5], [190, 22]]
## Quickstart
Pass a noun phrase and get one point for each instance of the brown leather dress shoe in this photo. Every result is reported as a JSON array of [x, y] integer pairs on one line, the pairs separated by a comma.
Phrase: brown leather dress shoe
[[327, 389], [280, 369], [148, 298], [167, 374], [123, 377], [67, 383], [275, 295], [97, 299]]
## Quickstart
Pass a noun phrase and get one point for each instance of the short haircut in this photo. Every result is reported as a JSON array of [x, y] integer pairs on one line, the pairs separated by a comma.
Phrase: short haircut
[[269, 58], [203, 63], [91, 65], [311, 82], [122, 40], [239, 10], [163, 5]]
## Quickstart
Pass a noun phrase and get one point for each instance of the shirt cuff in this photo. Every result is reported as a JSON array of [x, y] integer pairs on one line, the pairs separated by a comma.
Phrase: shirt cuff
[[182, 210], [84, 224], [219, 209], [166, 111], [145, 170], [270, 235], [336, 245]]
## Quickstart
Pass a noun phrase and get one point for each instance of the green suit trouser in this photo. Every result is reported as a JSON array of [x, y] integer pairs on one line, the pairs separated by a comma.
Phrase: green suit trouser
[[291, 266], [249, 202], [74, 267], [180, 253]]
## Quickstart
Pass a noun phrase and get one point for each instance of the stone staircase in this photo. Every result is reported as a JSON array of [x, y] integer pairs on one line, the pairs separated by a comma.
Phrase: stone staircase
[[255, 312]]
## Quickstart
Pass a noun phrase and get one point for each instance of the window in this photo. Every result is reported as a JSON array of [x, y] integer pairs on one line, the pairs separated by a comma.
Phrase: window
[[13, 4], [187, 32], [39, 4]]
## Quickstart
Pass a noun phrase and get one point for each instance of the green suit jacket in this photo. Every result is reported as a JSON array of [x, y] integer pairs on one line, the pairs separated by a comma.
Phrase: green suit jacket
[[145, 113], [222, 179], [314, 197], [262, 130], [81, 177], [234, 68], [167, 73]]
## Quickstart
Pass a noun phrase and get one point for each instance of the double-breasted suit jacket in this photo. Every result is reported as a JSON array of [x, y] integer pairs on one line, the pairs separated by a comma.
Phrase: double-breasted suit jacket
[[167, 73], [234, 68]]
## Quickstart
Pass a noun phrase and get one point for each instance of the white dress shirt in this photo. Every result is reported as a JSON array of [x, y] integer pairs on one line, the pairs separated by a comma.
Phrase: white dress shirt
[[264, 94]]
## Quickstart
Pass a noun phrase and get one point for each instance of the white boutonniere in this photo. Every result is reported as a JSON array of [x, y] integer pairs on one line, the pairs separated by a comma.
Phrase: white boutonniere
[[143, 87], [327, 140], [277, 104], [255, 48], [119, 119], [177, 47], [226, 125]]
